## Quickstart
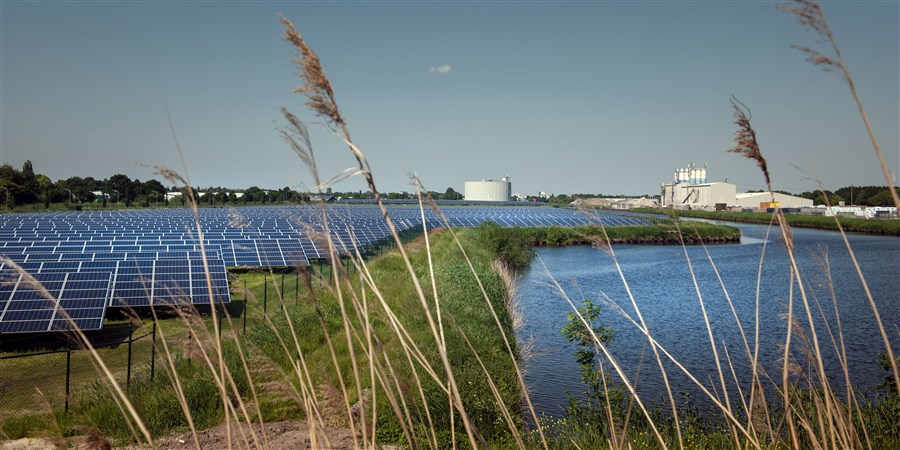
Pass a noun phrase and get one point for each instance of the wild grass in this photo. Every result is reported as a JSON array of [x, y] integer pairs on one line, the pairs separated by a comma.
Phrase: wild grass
[[849, 224], [470, 321], [416, 347], [28, 386]]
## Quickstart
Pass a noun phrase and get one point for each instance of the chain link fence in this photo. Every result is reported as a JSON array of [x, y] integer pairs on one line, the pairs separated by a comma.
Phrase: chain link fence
[[38, 381]]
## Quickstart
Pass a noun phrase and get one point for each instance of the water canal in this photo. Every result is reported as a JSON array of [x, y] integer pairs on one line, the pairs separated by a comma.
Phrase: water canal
[[662, 286]]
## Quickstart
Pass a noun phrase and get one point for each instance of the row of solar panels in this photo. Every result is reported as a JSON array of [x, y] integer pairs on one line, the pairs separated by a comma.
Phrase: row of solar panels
[[275, 217], [409, 201], [89, 261], [62, 295], [362, 230]]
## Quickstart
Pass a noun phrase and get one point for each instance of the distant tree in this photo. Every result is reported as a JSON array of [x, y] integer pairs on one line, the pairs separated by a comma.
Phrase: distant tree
[[882, 198], [81, 188], [119, 187], [31, 189], [833, 199], [11, 182], [45, 186], [561, 199], [253, 194], [451, 194]]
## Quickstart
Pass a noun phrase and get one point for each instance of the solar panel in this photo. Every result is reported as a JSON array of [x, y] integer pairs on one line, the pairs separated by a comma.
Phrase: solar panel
[[53, 302], [153, 256]]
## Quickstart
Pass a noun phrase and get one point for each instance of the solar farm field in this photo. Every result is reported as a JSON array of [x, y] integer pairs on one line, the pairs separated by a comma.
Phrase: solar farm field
[[63, 270]]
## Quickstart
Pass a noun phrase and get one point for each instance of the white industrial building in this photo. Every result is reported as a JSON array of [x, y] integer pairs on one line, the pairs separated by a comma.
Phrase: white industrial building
[[489, 190], [690, 190], [764, 200], [684, 195]]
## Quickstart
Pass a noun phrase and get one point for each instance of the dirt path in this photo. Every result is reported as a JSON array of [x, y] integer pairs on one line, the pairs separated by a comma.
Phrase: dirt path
[[278, 435], [288, 435]]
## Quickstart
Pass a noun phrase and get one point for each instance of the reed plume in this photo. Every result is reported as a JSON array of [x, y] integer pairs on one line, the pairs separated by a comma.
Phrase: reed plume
[[745, 143], [316, 87], [810, 15]]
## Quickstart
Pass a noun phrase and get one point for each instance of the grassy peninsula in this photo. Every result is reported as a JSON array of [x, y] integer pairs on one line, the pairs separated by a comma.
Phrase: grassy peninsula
[[849, 224]]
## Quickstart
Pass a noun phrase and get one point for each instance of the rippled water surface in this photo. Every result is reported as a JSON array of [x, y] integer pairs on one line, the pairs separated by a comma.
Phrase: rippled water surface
[[662, 286]]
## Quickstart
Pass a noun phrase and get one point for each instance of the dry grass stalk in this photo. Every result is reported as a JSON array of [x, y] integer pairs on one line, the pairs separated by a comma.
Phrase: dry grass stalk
[[494, 315], [221, 374], [496, 392], [92, 438], [745, 143], [597, 342], [809, 14], [713, 397], [605, 245], [124, 405], [840, 428], [320, 95], [316, 87], [709, 332]]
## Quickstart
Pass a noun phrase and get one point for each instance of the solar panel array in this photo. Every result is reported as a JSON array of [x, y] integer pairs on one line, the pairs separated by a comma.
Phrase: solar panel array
[[89, 261]]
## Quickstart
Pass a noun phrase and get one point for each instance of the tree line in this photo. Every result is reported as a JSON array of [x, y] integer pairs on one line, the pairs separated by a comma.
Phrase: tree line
[[853, 195], [26, 187]]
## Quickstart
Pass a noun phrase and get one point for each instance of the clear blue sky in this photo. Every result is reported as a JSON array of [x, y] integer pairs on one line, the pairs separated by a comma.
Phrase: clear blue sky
[[601, 97]]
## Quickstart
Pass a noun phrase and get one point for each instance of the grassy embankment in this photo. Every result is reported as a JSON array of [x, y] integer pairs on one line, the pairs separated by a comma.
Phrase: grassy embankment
[[271, 369], [271, 353], [849, 224]]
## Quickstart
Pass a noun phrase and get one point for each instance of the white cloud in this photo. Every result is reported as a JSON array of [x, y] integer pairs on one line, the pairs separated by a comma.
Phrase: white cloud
[[440, 69]]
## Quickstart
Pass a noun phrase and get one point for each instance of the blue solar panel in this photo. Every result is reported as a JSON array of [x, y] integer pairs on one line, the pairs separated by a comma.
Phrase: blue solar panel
[[153, 256], [53, 301]]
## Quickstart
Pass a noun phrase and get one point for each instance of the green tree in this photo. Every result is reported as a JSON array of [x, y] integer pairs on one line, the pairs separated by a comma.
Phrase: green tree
[[587, 335], [119, 188], [45, 188], [586, 355], [510, 246], [11, 184], [882, 198], [31, 188], [451, 194]]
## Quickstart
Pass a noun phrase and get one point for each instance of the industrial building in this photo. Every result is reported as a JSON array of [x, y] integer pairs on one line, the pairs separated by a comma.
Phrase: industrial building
[[690, 190], [489, 190], [764, 200]]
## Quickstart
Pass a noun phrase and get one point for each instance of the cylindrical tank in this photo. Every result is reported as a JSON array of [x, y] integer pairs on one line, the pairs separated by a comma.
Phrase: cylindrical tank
[[489, 190]]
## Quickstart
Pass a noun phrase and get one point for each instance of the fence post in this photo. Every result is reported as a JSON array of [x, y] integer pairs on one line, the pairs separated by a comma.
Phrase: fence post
[[68, 375], [265, 294], [153, 353], [246, 306], [281, 292], [128, 374]]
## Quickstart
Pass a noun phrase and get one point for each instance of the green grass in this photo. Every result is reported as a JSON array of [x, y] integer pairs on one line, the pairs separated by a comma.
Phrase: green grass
[[156, 401], [515, 245], [851, 224], [461, 305], [276, 381], [37, 383]]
